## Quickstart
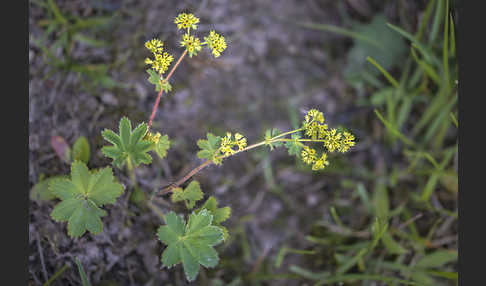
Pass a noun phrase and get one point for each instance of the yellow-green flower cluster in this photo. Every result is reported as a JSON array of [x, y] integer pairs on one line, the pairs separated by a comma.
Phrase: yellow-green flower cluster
[[310, 158], [227, 143], [320, 163], [332, 140], [216, 43], [161, 61], [308, 155], [314, 124], [186, 21], [347, 141], [154, 138], [192, 44]]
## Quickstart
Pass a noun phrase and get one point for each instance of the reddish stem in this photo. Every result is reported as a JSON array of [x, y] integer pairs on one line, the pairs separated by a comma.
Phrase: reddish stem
[[154, 110]]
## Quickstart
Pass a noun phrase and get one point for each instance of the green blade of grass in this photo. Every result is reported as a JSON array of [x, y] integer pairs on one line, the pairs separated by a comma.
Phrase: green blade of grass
[[425, 19], [360, 277], [284, 250], [429, 70], [441, 118], [57, 14], [84, 277], [340, 31], [437, 21], [57, 274], [454, 120], [445, 48], [394, 131], [393, 81], [452, 37], [423, 50]]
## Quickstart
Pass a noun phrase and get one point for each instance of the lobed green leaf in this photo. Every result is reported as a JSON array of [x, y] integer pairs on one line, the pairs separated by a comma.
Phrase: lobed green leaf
[[191, 244], [82, 196], [129, 145]]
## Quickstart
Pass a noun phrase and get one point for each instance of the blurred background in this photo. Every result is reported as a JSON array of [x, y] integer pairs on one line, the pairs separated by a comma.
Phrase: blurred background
[[385, 70]]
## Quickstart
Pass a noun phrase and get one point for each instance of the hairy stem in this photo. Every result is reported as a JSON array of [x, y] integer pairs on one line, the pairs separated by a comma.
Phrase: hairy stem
[[154, 110], [206, 163]]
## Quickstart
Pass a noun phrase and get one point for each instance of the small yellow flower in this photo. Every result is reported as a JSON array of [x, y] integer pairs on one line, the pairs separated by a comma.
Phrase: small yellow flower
[[154, 138], [240, 141], [155, 46], [186, 21], [308, 155], [161, 63], [216, 43], [332, 140], [192, 44], [227, 143], [346, 142], [315, 115], [320, 163], [314, 124]]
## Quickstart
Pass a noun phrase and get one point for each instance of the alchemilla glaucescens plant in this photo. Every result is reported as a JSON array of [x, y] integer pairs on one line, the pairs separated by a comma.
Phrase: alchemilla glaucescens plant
[[189, 240]]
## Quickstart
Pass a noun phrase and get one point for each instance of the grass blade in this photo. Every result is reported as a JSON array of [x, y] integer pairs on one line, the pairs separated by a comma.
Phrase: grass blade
[[84, 278], [393, 81], [57, 274], [394, 131]]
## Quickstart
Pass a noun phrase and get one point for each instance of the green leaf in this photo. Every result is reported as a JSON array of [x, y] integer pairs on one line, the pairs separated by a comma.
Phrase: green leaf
[[391, 245], [155, 80], [190, 195], [382, 44], [294, 147], [82, 196], [219, 214], [191, 244], [40, 192], [162, 146], [436, 259], [129, 145], [210, 148], [81, 150], [382, 205]]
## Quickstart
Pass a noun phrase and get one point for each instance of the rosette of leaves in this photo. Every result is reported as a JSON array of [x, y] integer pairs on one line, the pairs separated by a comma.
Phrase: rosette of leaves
[[129, 145], [190, 244], [82, 197]]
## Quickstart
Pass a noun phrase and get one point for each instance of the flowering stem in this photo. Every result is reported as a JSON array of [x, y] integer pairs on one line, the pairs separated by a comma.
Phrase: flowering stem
[[206, 163], [154, 110]]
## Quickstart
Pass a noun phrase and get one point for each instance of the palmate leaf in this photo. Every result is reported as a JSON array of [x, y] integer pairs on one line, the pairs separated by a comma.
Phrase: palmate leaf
[[82, 197], [210, 148], [294, 147], [190, 244], [162, 146], [129, 145], [220, 214], [155, 80], [190, 195]]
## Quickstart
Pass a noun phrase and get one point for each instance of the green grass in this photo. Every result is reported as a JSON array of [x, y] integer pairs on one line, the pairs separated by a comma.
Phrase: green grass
[[415, 101]]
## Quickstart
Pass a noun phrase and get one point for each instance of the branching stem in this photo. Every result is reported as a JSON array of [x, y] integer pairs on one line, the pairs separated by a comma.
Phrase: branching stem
[[206, 163], [154, 110]]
